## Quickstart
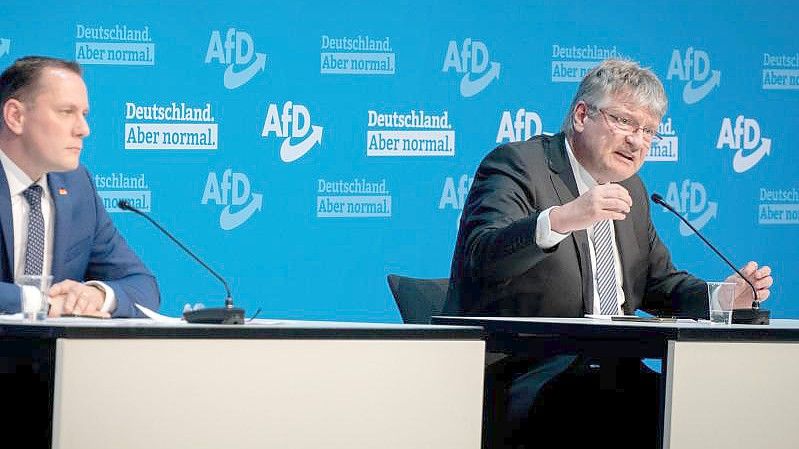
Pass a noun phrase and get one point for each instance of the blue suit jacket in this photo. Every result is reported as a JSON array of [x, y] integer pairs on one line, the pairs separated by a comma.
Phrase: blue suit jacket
[[86, 246]]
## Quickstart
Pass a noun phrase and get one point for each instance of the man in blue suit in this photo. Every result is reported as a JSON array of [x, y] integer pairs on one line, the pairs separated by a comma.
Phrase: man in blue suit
[[52, 220]]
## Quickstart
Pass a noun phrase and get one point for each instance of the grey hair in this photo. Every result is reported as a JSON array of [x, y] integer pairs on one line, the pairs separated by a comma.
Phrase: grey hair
[[617, 77]]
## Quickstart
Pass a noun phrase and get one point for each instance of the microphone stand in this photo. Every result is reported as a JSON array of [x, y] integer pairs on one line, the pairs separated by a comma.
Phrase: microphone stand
[[211, 315], [754, 315]]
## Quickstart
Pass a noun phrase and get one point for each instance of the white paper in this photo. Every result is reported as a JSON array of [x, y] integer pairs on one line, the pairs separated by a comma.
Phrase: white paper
[[157, 316]]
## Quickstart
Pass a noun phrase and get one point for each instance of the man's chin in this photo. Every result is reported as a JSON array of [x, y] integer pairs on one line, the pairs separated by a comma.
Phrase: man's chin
[[619, 175], [66, 167]]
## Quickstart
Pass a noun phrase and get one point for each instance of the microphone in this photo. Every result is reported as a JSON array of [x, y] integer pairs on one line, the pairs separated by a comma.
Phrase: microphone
[[739, 316], [211, 315]]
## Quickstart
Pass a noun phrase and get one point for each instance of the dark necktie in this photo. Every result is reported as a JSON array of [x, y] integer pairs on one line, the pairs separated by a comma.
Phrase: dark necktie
[[34, 250], [605, 268]]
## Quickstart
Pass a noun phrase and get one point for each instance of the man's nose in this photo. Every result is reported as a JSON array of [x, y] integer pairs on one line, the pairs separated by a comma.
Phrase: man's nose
[[638, 140], [82, 127]]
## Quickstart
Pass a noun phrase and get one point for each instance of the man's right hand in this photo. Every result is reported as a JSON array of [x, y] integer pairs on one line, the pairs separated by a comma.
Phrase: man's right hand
[[602, 202], [71, 297]]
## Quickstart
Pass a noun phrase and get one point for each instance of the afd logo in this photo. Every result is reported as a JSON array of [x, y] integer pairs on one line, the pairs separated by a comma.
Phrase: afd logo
[[233, 192], [471, 59], [453, 195], [694, 68], [237, 50], [690, 199], [294, 121], [744, 135], [5, 46], [519, 126]]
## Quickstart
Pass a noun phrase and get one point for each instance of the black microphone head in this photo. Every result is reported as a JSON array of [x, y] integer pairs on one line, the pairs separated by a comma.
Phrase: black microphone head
[[657, 198], [124, 205]]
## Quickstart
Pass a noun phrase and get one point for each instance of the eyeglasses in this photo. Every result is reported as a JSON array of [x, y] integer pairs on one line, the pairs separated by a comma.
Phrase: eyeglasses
[[628, 125]]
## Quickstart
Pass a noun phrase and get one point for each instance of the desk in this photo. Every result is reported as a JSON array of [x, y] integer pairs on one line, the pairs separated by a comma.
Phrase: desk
[[286, 384], [724, 386]]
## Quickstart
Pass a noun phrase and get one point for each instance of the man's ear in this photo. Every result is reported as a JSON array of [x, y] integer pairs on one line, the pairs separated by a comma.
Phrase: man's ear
[[14, 115], [579, 116]]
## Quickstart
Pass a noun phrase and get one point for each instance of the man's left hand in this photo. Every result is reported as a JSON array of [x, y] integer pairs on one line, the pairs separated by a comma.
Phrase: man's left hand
[[70, 297], [759, 277]]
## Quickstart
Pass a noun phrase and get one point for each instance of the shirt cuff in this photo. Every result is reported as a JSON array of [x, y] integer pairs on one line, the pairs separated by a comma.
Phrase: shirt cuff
[[545, 237], [110, 303]]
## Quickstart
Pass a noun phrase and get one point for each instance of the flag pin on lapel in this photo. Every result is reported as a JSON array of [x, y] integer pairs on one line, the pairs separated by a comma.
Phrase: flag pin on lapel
[[62, 191]]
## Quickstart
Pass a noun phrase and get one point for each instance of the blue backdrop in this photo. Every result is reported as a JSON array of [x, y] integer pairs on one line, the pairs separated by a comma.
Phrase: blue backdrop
[[307, 149]]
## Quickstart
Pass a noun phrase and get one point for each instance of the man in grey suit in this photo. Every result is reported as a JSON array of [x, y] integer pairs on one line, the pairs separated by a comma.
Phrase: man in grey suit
[[560, 226]]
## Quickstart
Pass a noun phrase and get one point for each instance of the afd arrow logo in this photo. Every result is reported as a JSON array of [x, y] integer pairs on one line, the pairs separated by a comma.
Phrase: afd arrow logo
[[231, 220], [690, 199], [233, 191], [693, 67], [470, 88], [5, 47], [700, 221], [527, 124], [471, 59], [741, 163], [293, 122], [290, 153], [691, 94], [237, 50], [234, 79], [745, 137]]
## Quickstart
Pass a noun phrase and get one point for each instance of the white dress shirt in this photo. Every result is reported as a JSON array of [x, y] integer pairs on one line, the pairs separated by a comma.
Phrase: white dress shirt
[[546, 238]]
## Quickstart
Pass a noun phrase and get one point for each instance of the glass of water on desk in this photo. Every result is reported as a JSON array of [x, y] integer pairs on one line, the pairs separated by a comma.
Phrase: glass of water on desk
[[721, 300], [33, 296]]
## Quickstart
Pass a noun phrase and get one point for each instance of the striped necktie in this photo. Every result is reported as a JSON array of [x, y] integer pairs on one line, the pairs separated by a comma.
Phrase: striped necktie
[[605, 268]]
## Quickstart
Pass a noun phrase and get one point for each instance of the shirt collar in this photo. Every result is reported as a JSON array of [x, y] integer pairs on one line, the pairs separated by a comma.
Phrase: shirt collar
[[18, 181], [584, 179]]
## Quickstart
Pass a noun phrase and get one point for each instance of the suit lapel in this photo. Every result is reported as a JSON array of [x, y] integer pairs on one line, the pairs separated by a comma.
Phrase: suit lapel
[[562, 177], [7, 223], [560, 169], [63, 206]]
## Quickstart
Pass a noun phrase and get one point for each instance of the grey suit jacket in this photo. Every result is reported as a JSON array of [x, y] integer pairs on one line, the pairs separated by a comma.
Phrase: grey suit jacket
[[499, 270]]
